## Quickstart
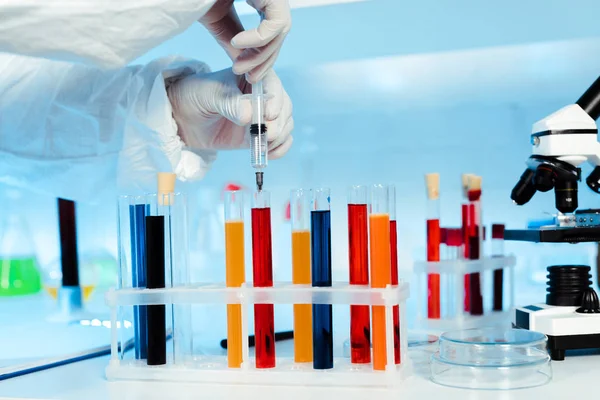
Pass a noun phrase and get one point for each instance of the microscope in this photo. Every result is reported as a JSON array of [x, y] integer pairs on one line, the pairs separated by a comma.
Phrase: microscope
[[562, 142]]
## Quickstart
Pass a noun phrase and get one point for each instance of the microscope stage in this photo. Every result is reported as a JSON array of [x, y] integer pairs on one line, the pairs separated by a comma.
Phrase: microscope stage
[[554, 234]]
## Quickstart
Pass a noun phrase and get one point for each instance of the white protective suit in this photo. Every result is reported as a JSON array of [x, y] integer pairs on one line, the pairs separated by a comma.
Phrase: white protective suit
[[74, 130], [105, 33]]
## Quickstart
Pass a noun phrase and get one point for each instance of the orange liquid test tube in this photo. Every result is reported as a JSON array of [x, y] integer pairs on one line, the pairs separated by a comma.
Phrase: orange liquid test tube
[[380, 257], [300, 216], [234, 271]]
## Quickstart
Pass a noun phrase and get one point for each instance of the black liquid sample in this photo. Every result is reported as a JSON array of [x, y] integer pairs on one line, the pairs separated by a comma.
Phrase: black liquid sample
[[68, 242], [155, 279]]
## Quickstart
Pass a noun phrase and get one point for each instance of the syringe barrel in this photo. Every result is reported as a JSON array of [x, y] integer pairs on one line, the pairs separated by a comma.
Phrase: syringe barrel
[[258, 103], [258, 129]]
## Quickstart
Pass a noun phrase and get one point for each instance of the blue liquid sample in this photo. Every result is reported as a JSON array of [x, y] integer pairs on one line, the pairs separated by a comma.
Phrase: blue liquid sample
[[137, 228], [320, 223]]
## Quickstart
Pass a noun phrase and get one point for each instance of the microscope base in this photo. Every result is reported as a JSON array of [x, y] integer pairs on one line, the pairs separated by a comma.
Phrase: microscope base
[[566, 329], [557, 345]]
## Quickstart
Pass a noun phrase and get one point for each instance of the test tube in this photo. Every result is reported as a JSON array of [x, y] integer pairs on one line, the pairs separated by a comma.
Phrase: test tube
[[475, 239], [394, 267], [301, 275], [132, 259], [155, 279], [380, 257], [432, 182], [358, 250], [498, 251], [234, 272], [320, 225], [262, 273], [465, 231]]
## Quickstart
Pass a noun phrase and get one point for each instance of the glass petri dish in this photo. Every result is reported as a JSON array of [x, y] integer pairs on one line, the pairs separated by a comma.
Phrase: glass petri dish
[[491, 358]]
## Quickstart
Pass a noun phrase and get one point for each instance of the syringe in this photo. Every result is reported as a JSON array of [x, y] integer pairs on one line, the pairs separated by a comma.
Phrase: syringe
[[258, 134]]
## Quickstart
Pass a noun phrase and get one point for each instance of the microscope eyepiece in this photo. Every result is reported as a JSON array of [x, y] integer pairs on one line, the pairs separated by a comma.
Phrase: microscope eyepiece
[[593, 180], [524, 189], [565, 196]]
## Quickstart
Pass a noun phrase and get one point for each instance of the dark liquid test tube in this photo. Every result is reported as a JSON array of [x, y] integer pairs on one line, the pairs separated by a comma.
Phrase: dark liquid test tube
[[476, 298], [68, 243], [358, 247], [394, 267], [498, 251], [321, 277], [262, 273], [155, 279]]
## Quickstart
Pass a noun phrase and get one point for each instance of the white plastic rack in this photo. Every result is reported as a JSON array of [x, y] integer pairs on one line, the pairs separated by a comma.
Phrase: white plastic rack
[[185, 366]]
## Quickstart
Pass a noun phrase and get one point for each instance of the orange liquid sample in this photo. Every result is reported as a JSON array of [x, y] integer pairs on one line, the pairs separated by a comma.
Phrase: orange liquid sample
[[380, 255], [303, 348], [235, 276]]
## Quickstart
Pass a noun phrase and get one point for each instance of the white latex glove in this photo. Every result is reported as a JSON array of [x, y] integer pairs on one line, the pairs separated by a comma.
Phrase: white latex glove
[[253, 51], [212, 112]]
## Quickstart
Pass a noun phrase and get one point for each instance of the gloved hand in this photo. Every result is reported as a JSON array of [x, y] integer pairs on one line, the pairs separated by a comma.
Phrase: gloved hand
[[212, 112], [253, 51]]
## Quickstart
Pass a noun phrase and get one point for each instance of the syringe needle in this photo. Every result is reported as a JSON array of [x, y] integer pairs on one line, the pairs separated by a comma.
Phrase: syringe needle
[[259, 181]]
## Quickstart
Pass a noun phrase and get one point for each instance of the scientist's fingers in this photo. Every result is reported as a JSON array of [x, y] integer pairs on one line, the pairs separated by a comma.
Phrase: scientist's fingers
[[281, 150], [277, 20], [259, 72], [283, 135], [276, 96], [251, 59], [224, 24]]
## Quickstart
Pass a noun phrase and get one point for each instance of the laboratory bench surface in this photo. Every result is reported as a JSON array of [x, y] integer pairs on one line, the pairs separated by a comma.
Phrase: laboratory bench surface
[[85, 380], [28, 336]]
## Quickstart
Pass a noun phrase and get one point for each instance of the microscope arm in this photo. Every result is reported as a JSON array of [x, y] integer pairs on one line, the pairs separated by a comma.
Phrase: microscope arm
[[590, 100]]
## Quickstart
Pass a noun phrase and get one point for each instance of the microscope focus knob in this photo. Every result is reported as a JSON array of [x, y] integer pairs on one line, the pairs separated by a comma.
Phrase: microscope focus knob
[[593, 180], [589, 302]]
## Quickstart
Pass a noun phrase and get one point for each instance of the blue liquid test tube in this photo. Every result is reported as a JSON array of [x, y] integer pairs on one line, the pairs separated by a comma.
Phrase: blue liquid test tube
[[321, 277], [137, 229]]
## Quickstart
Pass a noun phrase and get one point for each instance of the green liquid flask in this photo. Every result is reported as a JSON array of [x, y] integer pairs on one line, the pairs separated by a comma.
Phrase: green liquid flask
[[19, 272]]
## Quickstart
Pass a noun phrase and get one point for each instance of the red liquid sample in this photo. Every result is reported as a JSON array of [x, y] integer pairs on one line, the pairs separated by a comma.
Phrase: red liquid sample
[[433, 280], [360, 320], [262, 276], [465, 231], [394, 281]]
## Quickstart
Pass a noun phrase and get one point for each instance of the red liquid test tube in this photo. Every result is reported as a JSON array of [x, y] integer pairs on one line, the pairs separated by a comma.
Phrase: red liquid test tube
[[432, 182], [262, 276], [358, 250], [465, 232], [394, 267], [475, 242]]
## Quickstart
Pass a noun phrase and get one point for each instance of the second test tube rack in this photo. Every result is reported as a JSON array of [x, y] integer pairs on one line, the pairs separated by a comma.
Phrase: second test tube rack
[[188, 367], [453, 314]]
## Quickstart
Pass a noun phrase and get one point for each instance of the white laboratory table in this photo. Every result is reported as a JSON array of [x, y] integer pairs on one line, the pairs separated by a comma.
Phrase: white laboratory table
[[85, 380]]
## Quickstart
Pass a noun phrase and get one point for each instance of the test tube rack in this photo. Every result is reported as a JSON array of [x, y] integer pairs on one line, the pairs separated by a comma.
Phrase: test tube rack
[[185, 366], [452, 290]]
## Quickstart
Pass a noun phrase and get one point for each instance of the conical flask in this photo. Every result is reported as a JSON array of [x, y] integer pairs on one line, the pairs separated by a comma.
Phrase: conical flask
[[19, 272]]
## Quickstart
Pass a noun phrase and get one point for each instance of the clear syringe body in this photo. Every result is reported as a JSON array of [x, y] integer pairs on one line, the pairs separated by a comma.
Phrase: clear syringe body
[[258, 129]]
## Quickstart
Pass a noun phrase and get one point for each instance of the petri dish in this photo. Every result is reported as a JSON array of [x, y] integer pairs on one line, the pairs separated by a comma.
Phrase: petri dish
[[491, 358]]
